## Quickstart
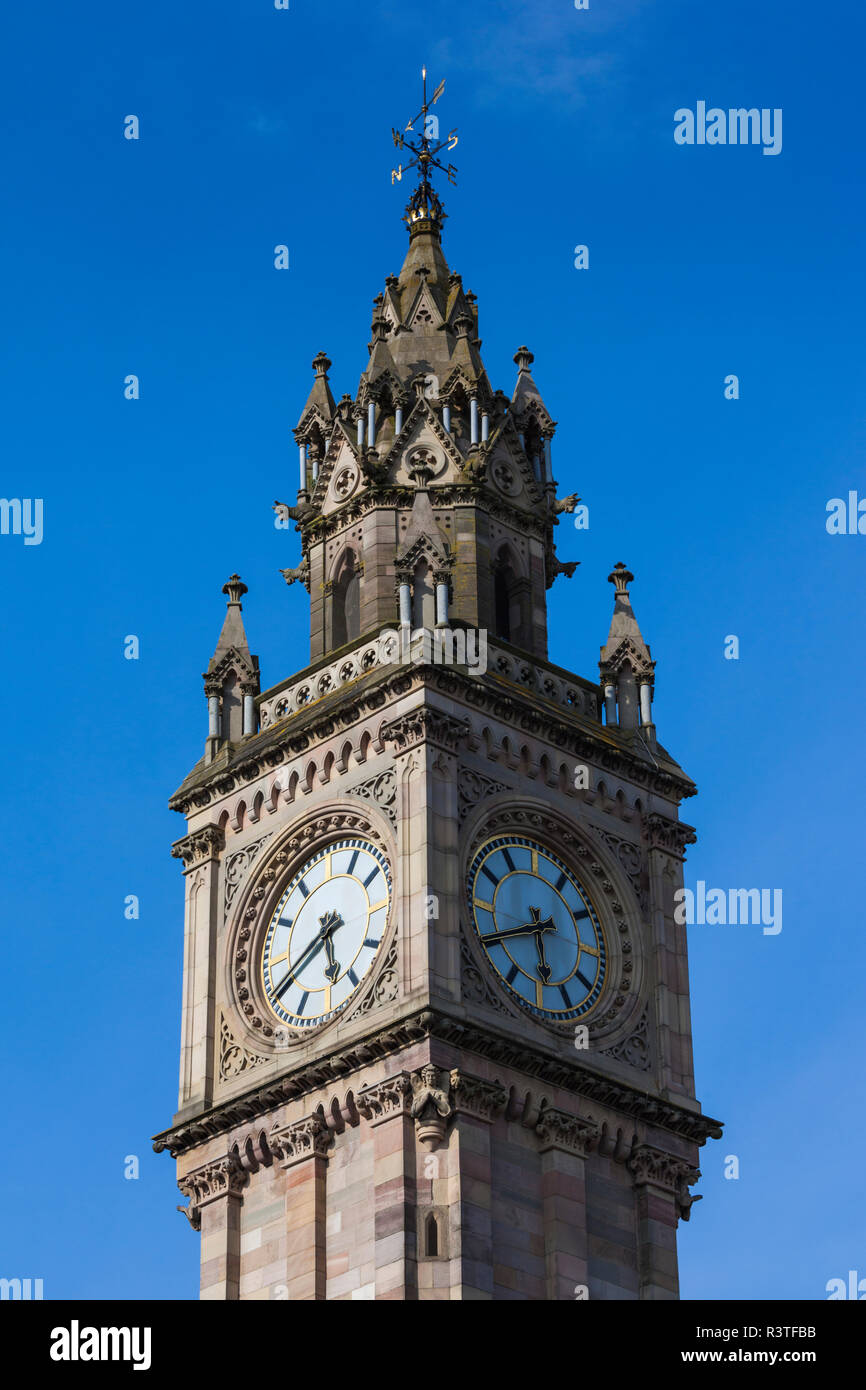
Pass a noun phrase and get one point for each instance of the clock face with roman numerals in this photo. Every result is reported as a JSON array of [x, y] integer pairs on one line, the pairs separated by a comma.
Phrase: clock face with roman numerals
[[325, 932], [538, 928]]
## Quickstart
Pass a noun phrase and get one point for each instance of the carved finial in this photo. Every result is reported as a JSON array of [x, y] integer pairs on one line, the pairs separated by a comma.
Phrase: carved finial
[[322, 364], [524, 358], [621, 577], [235, 588]]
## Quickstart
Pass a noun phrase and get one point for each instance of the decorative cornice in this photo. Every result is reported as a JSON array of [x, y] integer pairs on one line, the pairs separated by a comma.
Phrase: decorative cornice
[[199, 847], [480, 1038]]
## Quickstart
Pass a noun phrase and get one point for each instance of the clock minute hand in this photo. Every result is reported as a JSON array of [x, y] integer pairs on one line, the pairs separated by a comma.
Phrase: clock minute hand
[[330, 922]]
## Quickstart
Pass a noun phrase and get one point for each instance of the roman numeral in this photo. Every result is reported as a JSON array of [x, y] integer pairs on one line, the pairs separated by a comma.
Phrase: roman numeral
[[352, 976], [493, 879], [281, 988], [353, 861], [304, 889], [370, 877], [509, 978], [560, 882], [587, 984], [303, 1004], [565, 996], [369, 941], [509, 861], [579, 916]]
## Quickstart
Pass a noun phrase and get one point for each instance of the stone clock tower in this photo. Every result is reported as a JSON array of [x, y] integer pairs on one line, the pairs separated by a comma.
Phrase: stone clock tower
[[436, 1040]]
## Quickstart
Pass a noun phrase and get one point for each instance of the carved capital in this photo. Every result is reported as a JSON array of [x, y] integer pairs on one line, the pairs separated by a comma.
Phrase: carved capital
[[224, 1177], [306, 1138], [425, 725], [200, 847], [651, 1166], [670, 836], [386, 1099], [482, 1099], [556, 1129]]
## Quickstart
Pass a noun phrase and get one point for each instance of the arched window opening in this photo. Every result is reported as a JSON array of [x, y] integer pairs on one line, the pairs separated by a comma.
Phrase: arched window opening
[[431, 1236], [346, 603]]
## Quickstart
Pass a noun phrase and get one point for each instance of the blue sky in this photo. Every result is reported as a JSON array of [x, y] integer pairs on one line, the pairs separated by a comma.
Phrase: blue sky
[[155, 257]]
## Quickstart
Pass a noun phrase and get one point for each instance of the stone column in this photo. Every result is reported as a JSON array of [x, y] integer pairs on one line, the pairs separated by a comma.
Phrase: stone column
[[485, 427], [473, 421], [477, 1104], [610, 703], [646, 712], [249, 694], [563, 1145], [302, 1148], [200, 853], [302, 467], [661, 1193], [441, 605], [214, 1191], [386, 1105]]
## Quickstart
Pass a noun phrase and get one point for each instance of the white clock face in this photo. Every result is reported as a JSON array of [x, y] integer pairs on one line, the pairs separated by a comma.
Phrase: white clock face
[[325, 931]]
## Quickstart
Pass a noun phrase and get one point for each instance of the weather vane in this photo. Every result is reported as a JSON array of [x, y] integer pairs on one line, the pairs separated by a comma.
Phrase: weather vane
[[425, 148]]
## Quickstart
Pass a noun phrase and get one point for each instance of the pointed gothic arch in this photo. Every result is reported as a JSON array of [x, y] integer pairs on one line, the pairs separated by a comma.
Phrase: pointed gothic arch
[[345, 599]]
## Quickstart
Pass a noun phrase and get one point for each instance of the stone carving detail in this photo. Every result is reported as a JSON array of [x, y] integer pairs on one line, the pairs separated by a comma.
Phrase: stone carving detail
[[425, 725], [472, 786], [627, 853], [201, 845], [672, 836], [472, 1096], [384, 1099], [431, 1107], [474, 983], [306, 1138], [386, 987], [558, 1130], [234, 1059], [382, 791], [223, 1177], [635, 1049], [237, 866], [674, 1175]]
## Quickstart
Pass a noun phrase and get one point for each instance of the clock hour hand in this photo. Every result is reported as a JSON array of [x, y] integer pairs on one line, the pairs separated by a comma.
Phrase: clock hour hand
[[535, 928]]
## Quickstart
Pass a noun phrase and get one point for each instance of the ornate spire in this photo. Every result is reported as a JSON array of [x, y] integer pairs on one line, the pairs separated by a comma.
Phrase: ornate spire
[[626, 666]]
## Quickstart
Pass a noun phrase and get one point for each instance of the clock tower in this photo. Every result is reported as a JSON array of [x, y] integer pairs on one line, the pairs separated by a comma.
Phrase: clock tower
[[436, 1040]]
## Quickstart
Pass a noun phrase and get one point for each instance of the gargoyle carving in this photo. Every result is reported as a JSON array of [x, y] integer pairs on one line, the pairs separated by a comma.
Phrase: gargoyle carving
[[285, 511], [299, 575], [566, 504]]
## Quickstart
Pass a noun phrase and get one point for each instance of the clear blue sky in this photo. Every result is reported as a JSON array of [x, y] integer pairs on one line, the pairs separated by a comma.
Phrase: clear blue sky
[[155, 257]]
